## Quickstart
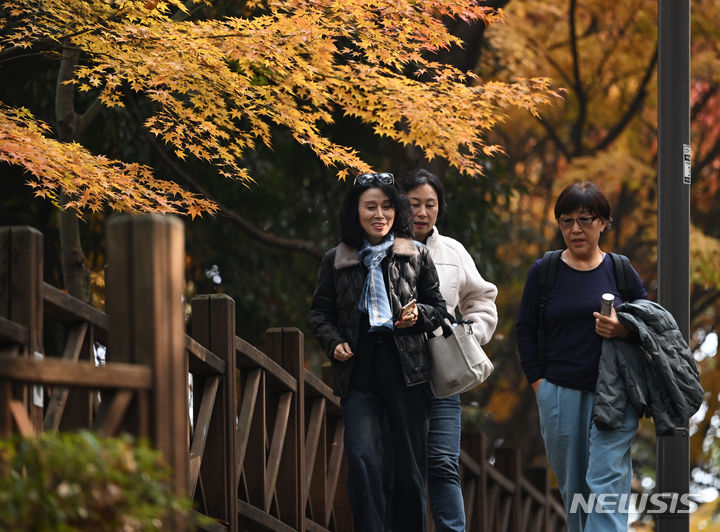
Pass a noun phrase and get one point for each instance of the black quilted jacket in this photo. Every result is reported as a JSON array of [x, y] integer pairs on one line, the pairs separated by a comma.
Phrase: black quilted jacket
[[655, 372], [335, 318]]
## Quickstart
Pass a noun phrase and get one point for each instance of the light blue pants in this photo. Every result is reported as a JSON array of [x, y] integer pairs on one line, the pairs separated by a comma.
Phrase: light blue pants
[[586, 460]]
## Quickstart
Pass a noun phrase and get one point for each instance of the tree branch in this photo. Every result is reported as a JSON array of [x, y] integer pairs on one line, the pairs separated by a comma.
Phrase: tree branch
[[707, 159], [578, 126], [633, 109], [76, 275], [699, 105], [85, 119], [702, 299], [555, 138], [291, 244], [67, 118]]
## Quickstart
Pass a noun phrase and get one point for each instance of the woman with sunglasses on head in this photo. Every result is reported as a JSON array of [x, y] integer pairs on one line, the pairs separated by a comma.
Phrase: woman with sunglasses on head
[[560, 351], [377, 296], [463, 288]]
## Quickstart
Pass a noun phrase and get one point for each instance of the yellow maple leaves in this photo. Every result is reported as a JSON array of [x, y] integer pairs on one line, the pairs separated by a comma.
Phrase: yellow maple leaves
[[67, 173], [219, 86]]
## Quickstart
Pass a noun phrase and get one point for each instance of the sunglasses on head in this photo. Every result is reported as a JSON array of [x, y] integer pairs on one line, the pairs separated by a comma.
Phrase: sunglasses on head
[[366, 179]]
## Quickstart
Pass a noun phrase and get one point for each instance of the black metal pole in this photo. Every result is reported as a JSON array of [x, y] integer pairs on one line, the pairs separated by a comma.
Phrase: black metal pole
[[673, 455]]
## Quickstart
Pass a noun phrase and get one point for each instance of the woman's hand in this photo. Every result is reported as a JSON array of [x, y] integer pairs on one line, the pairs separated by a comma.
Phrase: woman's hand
[[610, 326], [408, 318], [342, 352], [535, 385]]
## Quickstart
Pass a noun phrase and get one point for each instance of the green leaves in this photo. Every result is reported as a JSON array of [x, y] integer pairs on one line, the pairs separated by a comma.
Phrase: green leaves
[[79, 482]]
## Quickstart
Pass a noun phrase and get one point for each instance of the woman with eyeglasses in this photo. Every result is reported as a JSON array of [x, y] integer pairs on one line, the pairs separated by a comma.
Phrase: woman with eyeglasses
[[560, 350], [463, 288], [377, 296]]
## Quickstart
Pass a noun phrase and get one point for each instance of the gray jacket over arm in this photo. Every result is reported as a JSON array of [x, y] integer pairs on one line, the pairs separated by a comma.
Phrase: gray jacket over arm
[[654, 371]]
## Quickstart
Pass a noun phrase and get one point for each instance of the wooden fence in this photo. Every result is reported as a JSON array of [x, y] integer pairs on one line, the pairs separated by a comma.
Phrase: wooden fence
[[260, 447]]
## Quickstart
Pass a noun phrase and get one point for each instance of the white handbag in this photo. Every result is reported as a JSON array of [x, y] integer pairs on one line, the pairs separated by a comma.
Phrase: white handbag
[[457, 362]]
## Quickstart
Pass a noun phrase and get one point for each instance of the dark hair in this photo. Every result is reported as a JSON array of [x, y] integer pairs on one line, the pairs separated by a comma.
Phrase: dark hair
[[351, 232], [583, 196], [423, 177]]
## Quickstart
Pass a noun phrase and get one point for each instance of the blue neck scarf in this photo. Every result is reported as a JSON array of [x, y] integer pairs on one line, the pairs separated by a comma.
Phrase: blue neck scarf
[[374, 299]]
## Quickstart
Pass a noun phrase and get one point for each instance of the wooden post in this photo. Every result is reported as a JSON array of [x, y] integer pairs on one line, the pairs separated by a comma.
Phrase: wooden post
[[476, 509], [538, 476], [21, 301], [213, 326], [507, 461], [144, 300], [286, 347]]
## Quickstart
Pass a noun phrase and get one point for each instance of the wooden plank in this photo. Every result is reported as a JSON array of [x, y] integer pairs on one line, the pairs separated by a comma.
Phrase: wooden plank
[[494, 510], [247, 410], [58, 397], [5, 414], [202, 425], [531, 491], [25, 287], [145, 303], [312, 437], [6, 395], [500, 479], [316, 457], [10, 352], [249, 355], [118, 296], [5, 279], [83, 374], [11, 332], [255, 460], [334, 467], [508, 461], [286, 347], [22, 420], [203, 361], [113, 415], [26, 308], [473, 456], [213, 326], [315, 387], [277, 445], [257, 520], [66, 309], [143, 414], [312, 526], [469, 489], [214, 526], [82, 405]]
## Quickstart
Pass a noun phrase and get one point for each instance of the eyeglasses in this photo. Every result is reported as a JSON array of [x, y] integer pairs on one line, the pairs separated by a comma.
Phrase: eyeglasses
[[365, 179], [583, 221]]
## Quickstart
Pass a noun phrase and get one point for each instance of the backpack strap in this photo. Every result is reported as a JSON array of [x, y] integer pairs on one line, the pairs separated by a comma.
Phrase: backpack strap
[[546, 280], [624, 276]]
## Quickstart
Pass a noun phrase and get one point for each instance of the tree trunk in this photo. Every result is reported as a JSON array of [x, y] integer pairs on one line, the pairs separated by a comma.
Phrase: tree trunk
[[76, 274]]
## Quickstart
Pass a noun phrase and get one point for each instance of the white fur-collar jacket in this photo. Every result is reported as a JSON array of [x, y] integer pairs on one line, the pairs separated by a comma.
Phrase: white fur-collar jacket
[[462, 286]]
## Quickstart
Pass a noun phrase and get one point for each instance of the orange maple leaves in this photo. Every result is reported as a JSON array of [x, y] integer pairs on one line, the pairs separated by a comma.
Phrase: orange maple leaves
[[220, 86], [67, 173]]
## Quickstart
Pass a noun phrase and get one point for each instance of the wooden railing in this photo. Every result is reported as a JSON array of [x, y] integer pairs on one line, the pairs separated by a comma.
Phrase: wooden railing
[[260, 446]]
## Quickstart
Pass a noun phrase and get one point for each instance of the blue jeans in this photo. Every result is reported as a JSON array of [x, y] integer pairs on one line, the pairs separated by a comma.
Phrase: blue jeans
[[443, 449], [386, 426], [586, 460]]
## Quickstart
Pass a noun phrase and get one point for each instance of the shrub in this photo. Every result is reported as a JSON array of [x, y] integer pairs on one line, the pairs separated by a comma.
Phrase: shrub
[[69, 482]]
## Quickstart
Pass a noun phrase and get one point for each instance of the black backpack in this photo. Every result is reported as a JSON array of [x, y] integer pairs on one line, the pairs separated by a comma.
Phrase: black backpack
[[624, 279]]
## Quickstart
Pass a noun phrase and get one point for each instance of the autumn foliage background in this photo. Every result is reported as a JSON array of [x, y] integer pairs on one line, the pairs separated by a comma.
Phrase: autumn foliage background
[[248, 117]]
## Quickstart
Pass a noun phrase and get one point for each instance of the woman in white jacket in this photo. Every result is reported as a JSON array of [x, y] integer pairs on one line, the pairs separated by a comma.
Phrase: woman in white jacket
[[463, 288]]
